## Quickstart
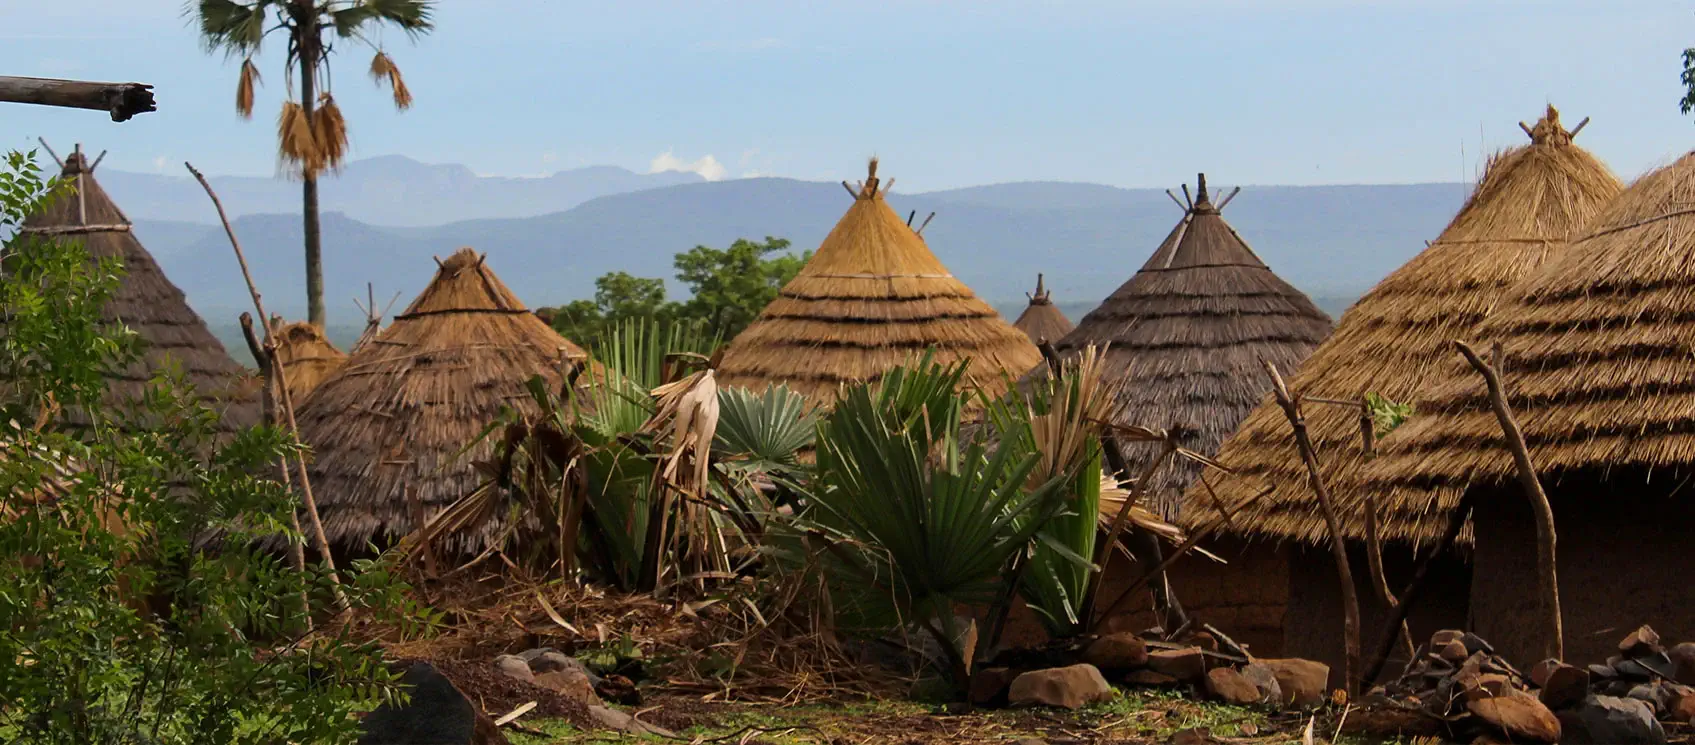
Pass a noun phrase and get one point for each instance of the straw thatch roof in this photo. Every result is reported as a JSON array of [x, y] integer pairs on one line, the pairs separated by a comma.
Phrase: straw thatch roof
[[1598, 362], [307, 357], [1041, 319], [147, 303], [1395, 341], [1186, 335], [871, 298], [390, 425]]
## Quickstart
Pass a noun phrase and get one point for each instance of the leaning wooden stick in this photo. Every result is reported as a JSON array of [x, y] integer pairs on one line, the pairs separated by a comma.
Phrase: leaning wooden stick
[[1373, 539], [1415, 589], [1547, 568], [286, 405], [1338, 545]]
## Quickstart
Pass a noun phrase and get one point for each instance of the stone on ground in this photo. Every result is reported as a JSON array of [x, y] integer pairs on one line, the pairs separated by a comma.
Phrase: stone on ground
[[1606, 720], [1521, 717], [436, 713], [1187, 665], [1304, 683], [1148, 678], [1683, 660], [1265, 679], [514, 667], [1071, 687], [570, 683], [613, 719], [1227, 685], [1639, 642], [1117, 652], [1565, 686]]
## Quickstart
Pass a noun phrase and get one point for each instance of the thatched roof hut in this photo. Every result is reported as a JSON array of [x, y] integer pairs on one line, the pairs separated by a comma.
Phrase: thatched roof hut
[[147, 303], [388, 428], [1598, 350], [871, 298], [307, 357], [1041, 319], [1395, 342], [1187, 334]]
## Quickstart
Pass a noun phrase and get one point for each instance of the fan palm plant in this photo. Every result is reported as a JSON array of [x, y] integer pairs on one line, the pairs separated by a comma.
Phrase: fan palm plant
[[311, 133]]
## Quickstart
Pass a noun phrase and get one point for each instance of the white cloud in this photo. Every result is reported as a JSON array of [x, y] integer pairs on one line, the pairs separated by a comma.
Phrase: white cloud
[[708, 167], [757, 174]]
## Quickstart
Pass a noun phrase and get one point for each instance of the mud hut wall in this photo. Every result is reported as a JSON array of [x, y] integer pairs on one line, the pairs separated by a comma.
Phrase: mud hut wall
[[1624, 560], [1313, 624]]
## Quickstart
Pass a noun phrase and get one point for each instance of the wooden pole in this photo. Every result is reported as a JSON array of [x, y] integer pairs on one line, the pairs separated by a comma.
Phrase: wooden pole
[[121, 100], [1415, 588], [1373, 539], [268, 401], [287, 404], [1338, 545], [1546, 536]]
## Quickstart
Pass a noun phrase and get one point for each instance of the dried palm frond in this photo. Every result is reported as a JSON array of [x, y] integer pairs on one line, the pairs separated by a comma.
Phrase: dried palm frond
[[384, 69], [329, 133], [250, 79], [295, 144]]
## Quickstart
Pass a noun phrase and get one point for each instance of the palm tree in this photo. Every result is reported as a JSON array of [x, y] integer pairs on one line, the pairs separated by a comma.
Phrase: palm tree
[[311, 134]]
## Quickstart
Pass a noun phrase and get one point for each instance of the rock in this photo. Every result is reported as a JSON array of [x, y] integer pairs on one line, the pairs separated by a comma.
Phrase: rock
[[1444, 637], [1632, 670], [1303, 682], [1565, 686], [616, 720], [1205, 641], [988, 686], [436, 713], [1682, 707], [1187, 665], [549, 661], [1658, 663], [1231, 687], [572, 684], [1475, 644], [1605, 720], [530, 655], [1518, 715], [618, 689], [1488, 685], [1148, 678], [1661, 696], [514, 667], [1454, 652], [1540, 671], [1264, 679], [1071, 687], [1193, 736], [1639, 642], [1120, 651], [1602, 672], [1683, 663]]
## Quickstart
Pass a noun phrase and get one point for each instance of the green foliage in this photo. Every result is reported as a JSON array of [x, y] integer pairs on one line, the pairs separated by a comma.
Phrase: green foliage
[[1386, 415], [115, 625], [727, 290], [1688, 78], [239, 27], [915, 515]]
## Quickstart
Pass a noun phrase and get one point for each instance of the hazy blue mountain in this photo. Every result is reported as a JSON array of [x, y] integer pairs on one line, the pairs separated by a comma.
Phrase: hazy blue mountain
[[390, 190], [1332, 241]]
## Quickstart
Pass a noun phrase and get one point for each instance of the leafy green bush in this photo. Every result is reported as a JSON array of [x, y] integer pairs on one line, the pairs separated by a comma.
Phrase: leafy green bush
[[119, 621]]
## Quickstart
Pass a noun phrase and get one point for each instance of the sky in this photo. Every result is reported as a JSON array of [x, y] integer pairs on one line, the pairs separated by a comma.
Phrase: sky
[[948, 93]]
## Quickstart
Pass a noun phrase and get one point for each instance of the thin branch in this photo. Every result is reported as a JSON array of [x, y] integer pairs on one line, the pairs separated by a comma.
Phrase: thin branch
[[1546, 536], [1194, 539], [280, 374], [1338, 545], [1415, 589]]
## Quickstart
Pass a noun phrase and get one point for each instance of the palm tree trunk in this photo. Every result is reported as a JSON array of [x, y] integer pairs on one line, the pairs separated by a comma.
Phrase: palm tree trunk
[[309, 189]]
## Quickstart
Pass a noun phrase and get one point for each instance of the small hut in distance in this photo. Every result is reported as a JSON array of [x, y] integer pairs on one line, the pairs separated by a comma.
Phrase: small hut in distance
[[146, 301], [1041, 319], [871, 298], [307, 358], [390, 429]]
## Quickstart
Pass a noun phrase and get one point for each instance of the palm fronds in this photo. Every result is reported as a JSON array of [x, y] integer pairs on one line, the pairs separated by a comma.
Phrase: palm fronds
[[244, 88]]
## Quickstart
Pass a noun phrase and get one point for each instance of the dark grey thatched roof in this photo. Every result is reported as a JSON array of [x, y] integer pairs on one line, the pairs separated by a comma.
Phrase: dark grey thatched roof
[[148, 303], [1187, 335]]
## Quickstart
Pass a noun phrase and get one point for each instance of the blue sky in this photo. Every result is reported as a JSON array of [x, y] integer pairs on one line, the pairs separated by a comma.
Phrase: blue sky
[[949, 92]]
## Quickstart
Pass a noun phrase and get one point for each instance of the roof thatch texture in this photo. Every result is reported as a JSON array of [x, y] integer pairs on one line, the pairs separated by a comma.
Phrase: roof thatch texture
[[1041, 319], [871, 298], [1598, 362], [1395, 342], [390, 425], [307, 357], [1186, 335], [148, 304]]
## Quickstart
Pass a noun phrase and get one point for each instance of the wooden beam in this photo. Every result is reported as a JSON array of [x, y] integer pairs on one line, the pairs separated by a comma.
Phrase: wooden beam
[[121, 100], [75, 229]]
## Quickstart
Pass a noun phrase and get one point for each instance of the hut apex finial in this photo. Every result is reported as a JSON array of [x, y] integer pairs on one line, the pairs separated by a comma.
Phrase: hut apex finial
[[1041, 295], [868, 189], [1548, 130], [1200, 188]]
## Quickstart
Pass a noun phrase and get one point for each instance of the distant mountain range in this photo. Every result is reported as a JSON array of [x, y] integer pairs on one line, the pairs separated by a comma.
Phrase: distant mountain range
[[1332, 241]]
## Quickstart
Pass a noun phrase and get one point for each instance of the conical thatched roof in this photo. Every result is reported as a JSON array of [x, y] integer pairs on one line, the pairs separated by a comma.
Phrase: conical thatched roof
[[1598, 356], [1395, 342], [147, 303], [871, 298], [307, 357], [388, 427], [1041, 319], [1186, 335]]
